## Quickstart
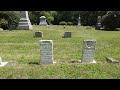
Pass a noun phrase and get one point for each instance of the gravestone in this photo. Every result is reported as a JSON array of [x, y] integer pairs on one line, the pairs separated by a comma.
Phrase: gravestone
[[43, 21], [38, 34], [2, 63], [24, 23], [79, 21], [67, 34], [98, 25], [1, 29], [88, 51], [46, 52]]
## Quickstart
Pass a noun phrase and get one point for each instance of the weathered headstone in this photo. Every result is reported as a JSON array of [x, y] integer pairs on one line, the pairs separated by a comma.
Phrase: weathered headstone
[[79, 21], [98, 25], [1, 29], [88, 51], [46, 52], [2, 63], [24, 23], [43, 21], [38, 34], [67, 34]]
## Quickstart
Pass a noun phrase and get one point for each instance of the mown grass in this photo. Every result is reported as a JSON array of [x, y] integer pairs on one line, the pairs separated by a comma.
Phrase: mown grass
[[22, 52]]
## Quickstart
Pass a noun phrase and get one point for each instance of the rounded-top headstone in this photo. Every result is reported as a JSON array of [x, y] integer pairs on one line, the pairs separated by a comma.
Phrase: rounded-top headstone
[[43, 21]]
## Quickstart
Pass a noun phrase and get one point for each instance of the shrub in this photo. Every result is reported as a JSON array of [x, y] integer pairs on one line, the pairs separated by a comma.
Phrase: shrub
[[69, 23], [62, 23], [110, 21], [3, 23]]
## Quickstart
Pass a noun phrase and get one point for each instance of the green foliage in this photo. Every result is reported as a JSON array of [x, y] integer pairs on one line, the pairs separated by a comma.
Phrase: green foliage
[[69, 23], [62, 23], [111, 20], [11, 16], [3, 23]]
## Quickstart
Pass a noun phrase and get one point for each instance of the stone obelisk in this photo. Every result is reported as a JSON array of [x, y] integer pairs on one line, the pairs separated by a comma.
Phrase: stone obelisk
[[24, 23]]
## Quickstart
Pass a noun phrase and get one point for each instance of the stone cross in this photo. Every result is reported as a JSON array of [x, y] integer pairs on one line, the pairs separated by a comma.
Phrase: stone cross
[[24, 23], [43, 21], [88, 51], [46, 52]]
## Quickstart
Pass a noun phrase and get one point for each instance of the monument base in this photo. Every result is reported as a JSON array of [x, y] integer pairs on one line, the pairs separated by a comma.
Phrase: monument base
[[43, 24], [25, 27], [47, 63], [82, 62], [3, 64]]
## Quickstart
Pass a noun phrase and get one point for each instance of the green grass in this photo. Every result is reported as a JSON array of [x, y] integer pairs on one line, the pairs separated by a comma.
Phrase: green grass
[[19, 48]]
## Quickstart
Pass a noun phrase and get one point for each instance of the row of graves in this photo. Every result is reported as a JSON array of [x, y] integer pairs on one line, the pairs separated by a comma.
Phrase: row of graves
[[46, 46]]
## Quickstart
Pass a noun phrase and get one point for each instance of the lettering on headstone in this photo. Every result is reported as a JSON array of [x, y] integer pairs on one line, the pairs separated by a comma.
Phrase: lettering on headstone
[[88, 51]]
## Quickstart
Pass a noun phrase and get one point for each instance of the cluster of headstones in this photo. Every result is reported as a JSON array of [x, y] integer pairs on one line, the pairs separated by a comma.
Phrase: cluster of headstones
[[25, 24], [47, 57]]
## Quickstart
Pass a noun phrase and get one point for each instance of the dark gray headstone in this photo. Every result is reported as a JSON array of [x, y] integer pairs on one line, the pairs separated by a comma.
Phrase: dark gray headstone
[[43, 21], [67, 34], [88, 51], [24, 23], [38, 34], [46, 52]]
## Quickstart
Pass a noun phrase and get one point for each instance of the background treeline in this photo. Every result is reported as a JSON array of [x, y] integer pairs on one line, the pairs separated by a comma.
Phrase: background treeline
[[110, 19]]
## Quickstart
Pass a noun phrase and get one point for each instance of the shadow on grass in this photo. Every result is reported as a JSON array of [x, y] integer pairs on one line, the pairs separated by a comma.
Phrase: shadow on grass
[[34, 63]]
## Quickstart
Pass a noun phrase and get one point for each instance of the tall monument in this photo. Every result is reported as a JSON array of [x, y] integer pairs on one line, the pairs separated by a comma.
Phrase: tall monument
[[24, 23], [79, 21], [98, 25]]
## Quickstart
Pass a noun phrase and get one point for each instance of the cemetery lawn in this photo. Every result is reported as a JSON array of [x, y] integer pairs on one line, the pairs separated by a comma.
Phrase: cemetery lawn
[[22, 52]]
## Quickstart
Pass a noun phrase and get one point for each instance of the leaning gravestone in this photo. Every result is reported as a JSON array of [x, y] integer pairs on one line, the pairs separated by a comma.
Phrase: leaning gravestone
[[98, 25], [67, 34], [24, 23], [43, 21], [88, 51], [2, 63], [46, 52], [38, 34]]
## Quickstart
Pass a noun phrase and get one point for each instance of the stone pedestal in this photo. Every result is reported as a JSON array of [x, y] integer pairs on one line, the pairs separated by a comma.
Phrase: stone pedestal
[[46, 52], [88, 51], [24, 23], [43, 21]]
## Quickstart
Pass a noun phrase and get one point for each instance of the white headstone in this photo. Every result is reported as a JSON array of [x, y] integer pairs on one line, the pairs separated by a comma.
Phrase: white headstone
[[2, 63], [98, 25], [24, 23], [46, 52], [43, 21], [88, 51]]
